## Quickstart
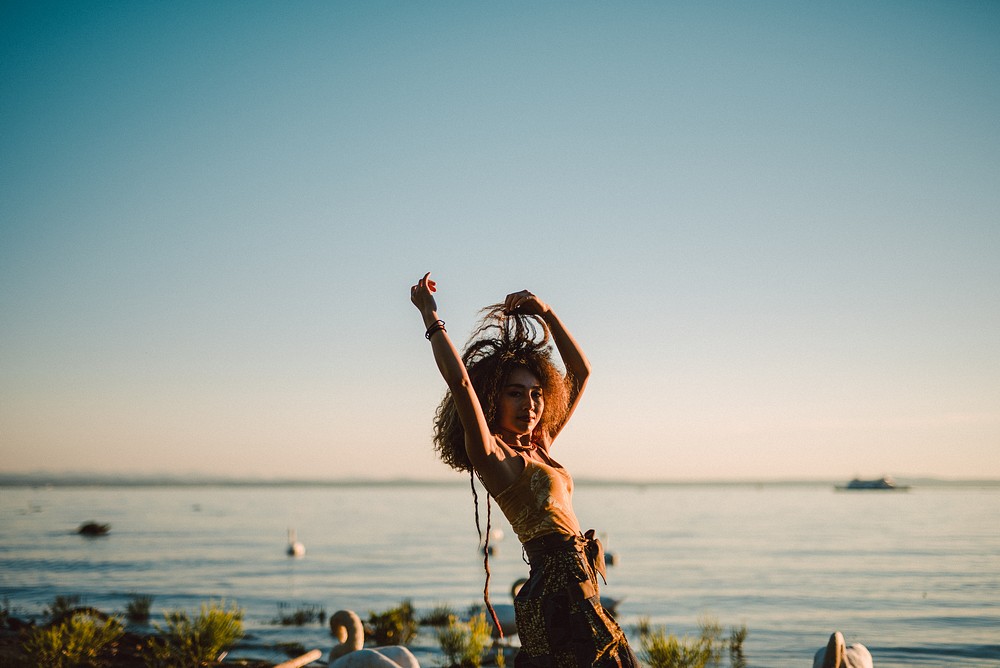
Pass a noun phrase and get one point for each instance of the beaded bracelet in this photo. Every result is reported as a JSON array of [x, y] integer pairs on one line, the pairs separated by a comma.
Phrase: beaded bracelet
[[438, 326]]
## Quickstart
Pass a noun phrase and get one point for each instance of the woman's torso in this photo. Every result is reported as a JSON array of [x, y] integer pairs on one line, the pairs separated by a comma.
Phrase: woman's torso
[[540, 500]]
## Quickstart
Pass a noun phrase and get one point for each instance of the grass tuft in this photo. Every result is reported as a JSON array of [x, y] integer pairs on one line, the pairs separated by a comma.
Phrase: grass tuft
[[438, 616], [464, 643], [203, 640], [662, 650], [396, 626], [82, 639], [138, 607], [306, 614]]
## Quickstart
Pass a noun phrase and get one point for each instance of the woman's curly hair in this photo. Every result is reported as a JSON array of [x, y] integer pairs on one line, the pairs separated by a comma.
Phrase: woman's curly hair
[[501, 343]]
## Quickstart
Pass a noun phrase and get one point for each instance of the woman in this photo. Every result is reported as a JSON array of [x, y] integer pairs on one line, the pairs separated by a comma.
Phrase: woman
[[505, 405]]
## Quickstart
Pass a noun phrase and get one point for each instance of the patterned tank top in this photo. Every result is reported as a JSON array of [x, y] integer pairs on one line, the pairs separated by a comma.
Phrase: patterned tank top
[[540, 501]]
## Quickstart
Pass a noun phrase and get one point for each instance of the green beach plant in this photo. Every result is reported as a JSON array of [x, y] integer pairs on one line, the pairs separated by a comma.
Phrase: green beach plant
[[464, 643], [662, 650], [395, 626], [736, 638], [183, 642], [438, 616], [61, 606], [643, 627], [83, 639], [138, 607], [300, 616]]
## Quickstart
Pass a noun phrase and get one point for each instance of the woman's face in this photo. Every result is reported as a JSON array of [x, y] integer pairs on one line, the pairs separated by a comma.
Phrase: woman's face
[[521, 403]]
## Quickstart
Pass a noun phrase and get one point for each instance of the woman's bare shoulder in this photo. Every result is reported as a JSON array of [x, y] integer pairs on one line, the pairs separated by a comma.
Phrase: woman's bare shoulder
[[504, 466]]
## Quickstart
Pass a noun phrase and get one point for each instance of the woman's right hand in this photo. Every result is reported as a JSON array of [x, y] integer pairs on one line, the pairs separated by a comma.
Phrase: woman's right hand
[[421, 294]]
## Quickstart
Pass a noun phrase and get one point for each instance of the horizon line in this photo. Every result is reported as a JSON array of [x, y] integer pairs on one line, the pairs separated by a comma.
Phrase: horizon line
[[65, 479]]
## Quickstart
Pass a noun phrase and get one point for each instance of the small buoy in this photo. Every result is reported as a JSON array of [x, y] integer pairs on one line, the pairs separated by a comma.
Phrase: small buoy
[[295, 548]]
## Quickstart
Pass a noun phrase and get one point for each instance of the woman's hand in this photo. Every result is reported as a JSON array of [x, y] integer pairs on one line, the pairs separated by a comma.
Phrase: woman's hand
[[421, 294], [525, 302]]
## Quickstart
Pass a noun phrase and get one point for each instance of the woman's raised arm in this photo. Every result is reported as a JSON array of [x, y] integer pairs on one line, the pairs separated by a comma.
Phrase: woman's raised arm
[[478, 441], [577, 365]]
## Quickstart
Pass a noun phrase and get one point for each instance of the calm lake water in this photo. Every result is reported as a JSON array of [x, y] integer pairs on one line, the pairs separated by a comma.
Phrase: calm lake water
[[915, 576]]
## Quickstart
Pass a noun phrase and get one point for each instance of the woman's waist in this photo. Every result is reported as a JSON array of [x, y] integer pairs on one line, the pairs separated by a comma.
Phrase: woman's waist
[[586, 543], [555, 541]]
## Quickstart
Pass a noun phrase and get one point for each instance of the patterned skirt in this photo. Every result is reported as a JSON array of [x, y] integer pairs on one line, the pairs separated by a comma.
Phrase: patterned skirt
[[560, 620]]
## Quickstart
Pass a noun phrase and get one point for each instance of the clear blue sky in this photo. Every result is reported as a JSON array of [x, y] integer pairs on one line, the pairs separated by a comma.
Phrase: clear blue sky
[[774, 227]]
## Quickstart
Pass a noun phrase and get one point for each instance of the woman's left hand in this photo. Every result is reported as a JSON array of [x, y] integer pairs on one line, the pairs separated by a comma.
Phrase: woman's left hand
[[422, 294], [525, 302]]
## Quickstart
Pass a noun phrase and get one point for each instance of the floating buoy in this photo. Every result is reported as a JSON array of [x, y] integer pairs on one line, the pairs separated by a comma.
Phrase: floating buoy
[[295, 548]]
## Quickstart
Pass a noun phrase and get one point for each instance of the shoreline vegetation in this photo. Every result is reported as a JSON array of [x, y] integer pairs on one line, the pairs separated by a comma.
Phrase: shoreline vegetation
[[70, 634], [40, 479]]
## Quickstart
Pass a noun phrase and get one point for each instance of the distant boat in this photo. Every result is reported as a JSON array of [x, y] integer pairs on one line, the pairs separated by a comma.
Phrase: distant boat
[[885, 483]]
